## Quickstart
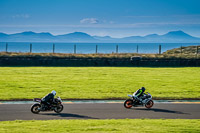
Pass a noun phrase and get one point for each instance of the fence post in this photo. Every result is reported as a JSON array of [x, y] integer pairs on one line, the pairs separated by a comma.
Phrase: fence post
[[30, 48], [74, 49], [159, 49], [96, 49], [53, 48], [181, 51], [116, 48], [137, 49], [6, 47]]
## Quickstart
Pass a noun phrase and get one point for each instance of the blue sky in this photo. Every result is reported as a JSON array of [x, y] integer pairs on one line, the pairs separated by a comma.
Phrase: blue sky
[[116, 18]]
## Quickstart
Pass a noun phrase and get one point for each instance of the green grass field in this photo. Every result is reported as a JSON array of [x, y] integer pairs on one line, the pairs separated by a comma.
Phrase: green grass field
[[116, 126], [98, 82]]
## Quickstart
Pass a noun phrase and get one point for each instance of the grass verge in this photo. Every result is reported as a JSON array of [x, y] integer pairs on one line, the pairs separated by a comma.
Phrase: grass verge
[[98, 82], [189, 52], [117, 126]]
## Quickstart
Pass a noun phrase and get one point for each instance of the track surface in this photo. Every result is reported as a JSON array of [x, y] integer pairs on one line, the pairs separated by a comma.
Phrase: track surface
[[102, 111]]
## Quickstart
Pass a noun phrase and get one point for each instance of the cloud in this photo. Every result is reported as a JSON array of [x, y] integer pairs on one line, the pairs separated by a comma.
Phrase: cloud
[[25, 16], [108, 25], [89, 21]]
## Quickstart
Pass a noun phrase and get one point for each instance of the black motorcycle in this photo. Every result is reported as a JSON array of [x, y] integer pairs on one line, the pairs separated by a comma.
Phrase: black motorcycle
[[56, 106], [146, 101]]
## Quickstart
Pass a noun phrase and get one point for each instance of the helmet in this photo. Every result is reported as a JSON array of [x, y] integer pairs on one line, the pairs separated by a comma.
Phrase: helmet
[[53, 92], [143, 89]]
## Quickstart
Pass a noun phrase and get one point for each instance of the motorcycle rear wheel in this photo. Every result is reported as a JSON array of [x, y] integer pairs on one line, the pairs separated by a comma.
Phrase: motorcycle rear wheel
[[35, 108], [59, 108], [128, 103], [149, 104]]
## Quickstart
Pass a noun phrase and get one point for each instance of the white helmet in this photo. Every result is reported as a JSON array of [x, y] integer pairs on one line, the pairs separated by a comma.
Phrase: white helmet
[[53, 92]]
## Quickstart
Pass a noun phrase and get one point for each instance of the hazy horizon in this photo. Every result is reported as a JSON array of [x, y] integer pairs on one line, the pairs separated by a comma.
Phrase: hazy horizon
[[91, 35], [100, 17]]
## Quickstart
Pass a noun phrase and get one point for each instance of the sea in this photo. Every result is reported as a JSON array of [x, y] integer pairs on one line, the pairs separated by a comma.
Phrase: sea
[[89, 48]]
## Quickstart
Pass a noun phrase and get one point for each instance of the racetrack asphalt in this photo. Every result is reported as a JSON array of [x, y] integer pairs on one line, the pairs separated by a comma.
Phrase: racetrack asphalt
[[103, 111]]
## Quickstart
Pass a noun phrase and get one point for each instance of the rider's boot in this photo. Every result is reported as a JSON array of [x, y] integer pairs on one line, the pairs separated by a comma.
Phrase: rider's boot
[[140, 101], [43, 107]]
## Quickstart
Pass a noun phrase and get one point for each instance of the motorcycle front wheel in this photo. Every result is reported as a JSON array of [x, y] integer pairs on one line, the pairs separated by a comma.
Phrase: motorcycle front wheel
[[128, 103], [35, 108], [59, 108], [149, 104]]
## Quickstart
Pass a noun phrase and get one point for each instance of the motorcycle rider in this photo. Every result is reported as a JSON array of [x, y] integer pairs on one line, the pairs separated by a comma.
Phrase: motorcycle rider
[[138, 94], [48, 99]]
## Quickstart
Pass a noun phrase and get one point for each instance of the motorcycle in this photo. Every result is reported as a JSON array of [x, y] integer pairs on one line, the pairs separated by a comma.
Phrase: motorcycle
[[56, 106], [146, 101]]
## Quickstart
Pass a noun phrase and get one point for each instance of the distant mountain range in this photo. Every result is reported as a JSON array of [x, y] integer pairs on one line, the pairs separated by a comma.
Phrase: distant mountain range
[[29, 36]]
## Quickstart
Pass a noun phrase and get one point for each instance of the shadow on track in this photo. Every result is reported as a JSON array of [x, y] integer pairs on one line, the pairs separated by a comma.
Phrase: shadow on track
[[161, 110], [69, 115]]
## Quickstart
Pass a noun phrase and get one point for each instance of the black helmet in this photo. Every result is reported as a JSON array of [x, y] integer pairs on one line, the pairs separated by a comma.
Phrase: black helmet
[[143, 89]]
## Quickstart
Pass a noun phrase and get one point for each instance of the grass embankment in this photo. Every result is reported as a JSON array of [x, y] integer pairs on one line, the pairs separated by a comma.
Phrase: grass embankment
[[94, 56], [183, 52], [117, 126], [98, 82]]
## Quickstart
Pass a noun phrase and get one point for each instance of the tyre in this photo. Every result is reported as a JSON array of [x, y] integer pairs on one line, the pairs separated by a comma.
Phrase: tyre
[[35, 108], [149, 104], [128, 103], [59, 108]]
